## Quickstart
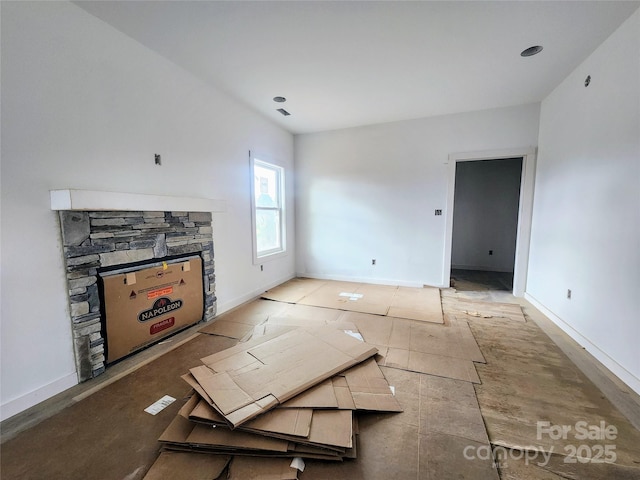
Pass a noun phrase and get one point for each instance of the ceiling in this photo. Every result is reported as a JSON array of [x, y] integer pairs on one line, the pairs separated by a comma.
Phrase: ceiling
[[350, 63]]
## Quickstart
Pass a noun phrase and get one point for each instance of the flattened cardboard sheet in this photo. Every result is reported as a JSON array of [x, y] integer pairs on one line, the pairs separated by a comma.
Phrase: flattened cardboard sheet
[[359, 297], [189, 405], [257, 468], [177, 431], [376, 299], [295, 422], [245, 382], [321, 396], [190, 379], [203, 435], [461, 417], [278, 325], [438, 365], [329, 435], [468, 342], [294, 290], [422, 304], [362, 387], [343, 394], [295, 450], [332, 428], [187, 466], [204, 413], [369, 388], [308, 312], [280, 321], [454, 339], [238, 327]]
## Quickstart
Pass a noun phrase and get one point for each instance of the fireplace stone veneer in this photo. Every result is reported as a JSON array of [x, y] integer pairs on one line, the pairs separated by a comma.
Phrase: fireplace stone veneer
[[96, 239]]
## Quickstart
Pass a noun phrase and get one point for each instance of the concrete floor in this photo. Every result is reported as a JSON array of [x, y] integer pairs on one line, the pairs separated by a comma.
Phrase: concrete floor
[[99, 429]]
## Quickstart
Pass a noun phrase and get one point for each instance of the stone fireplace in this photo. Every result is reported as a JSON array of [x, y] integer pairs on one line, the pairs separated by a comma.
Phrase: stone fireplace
[[95, 239]]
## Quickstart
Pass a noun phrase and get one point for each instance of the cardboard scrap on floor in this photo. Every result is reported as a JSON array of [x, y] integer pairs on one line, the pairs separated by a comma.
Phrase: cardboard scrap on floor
[[351, 296], [417, 304], [294, 290], [286, 395], [443, 350], [240, 322], [239, 327], [447, 350], [185, 466], [251, 378], [421, 304], [252, 468]]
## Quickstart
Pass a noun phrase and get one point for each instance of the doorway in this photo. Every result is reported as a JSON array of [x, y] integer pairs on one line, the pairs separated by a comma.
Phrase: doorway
[[485, 223], [525, 157]]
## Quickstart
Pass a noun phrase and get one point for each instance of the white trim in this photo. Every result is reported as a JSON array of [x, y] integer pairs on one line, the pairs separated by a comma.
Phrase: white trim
[[525, 211], [28, 400], [614, 367], [282, 251], [70, 199], [374, 281]]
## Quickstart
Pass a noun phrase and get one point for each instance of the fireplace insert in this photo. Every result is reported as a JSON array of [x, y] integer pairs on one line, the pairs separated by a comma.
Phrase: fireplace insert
[[144, 303]]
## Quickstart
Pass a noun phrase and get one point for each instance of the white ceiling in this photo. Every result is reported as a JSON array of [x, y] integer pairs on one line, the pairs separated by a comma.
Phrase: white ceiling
[[349, 63]]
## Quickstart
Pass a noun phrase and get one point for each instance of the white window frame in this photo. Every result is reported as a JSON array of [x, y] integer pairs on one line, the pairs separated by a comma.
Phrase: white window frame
[[261, 257]]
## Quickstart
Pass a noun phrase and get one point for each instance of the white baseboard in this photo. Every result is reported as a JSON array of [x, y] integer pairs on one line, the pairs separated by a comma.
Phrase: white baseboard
[[28, 400], [229, 304], [614, 367], [375, 281]]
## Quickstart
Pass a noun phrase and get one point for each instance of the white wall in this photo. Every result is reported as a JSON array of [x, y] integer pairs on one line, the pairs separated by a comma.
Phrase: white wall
[[485, 217], [370, 193], [84, 106], [586, 218]]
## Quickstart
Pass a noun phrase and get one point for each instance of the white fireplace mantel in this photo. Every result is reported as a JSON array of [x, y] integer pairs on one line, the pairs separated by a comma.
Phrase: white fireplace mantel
[[69, 199]]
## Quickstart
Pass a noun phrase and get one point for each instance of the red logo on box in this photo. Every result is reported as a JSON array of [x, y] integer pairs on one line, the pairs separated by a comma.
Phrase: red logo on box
[[163, 325]]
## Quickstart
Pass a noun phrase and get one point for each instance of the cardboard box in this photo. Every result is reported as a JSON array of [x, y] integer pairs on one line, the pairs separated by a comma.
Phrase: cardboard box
[[144, 306]]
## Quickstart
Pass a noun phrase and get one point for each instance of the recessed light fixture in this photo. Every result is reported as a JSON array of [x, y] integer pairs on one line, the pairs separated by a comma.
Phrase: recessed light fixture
[[529, 52], [279, 99], [284, 112]]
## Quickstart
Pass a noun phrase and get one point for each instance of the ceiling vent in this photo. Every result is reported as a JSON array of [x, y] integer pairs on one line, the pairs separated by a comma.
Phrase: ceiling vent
[[529, 52], [284, 112]]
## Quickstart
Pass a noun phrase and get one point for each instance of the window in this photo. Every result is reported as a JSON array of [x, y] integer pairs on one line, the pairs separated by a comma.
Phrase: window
[[268, 209]]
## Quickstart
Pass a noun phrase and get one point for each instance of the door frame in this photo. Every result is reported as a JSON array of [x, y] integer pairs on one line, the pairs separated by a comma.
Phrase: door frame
[[525, 209]]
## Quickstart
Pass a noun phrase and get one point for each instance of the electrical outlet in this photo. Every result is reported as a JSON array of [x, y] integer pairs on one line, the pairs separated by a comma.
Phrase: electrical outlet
[[438, 212], [158, 159], [569, 294], [490, 252], [373, 261], [262, 268]]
